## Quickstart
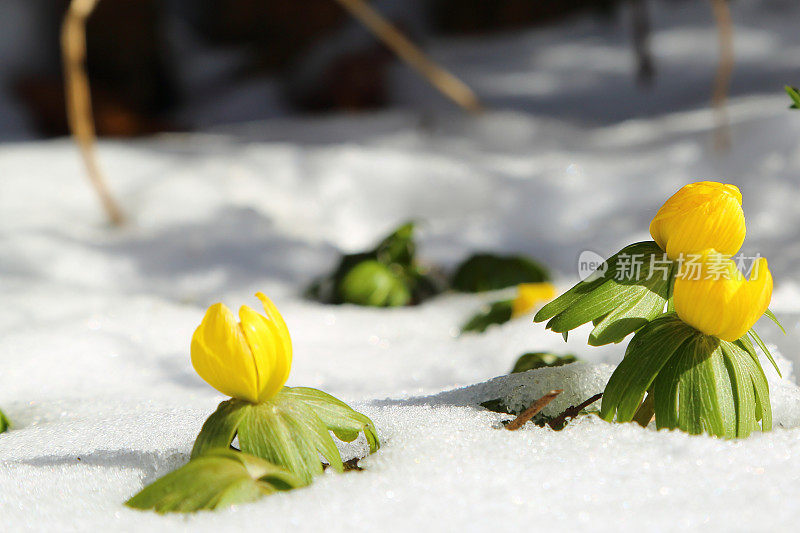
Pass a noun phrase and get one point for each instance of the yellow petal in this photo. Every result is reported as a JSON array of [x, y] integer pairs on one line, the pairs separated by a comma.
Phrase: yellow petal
[[283, 351], [221, 356], [700, 216], [718, 300], [529, 295]]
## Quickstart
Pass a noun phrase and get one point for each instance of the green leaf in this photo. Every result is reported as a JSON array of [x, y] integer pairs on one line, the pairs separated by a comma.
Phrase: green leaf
[[398, 247], [649, 350], [772, 317], [764, 349], [289, 430], [761, 388], [220, 428], [495, 313], [345, 422], [289, 434], [618, 298], [374, 284], [628, 317], [665, 391], [487, 272], [699, 406], [757, 374], [794, 94], [605, 271], [5, 424], [218, 479], [534, 360], [721, 395], [743, 392], [708, 387]]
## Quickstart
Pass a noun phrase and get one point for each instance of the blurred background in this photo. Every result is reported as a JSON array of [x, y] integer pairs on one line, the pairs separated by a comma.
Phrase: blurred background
[[183, 65]]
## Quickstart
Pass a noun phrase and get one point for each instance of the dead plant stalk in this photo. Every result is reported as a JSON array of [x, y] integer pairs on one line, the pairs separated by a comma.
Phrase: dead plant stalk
[[79, 102], [533, 410], [441, 79], [724, 21]]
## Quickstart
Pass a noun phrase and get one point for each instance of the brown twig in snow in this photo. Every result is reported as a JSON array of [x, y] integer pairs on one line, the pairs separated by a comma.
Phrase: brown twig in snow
[[533, 410], [572, 411], [79, 102], [722, 16], [444, 81]]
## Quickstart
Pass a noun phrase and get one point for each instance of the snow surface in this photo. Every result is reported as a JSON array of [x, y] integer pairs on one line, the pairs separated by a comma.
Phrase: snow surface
[[95, 322]]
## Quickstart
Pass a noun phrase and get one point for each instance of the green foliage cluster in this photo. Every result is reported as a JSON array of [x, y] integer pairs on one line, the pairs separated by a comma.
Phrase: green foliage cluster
[[616, 305], [391, 276], [694, 382], [699, 384], [386, 276], [280, 443]]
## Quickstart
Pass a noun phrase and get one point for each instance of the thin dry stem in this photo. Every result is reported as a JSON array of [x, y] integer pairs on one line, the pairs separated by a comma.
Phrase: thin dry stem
[[722, 16], [533, 410], [640, 22], [572, 411], [444, 81], [79, 102]]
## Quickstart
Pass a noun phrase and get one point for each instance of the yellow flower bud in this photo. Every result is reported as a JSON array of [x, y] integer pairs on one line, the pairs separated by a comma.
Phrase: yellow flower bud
[[712, 296], [700, 216], [249, 360], [529, 295]]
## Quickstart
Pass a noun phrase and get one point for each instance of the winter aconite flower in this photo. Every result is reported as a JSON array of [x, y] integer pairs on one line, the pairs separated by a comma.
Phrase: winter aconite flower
[[717, 299], [249, 359], [700, 216], [529, 295]]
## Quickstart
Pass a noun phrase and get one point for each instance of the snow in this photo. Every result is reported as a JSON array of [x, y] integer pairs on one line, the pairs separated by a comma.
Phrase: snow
[[95, 322]]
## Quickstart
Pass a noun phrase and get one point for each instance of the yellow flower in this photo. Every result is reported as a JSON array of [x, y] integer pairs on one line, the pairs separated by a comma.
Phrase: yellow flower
[[529, 295], [249, 360], [712, 296], [700, 216]]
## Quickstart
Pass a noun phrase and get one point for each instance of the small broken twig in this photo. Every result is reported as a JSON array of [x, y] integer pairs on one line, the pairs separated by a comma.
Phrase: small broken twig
[[572, 411], [533, 410], [79, 101], [444, 81]]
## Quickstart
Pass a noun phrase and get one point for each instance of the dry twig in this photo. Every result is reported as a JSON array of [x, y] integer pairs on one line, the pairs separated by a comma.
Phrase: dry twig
[[640, 22], [79, 102], [533, 410], [444, 81], [572, 411], [722, 16]]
